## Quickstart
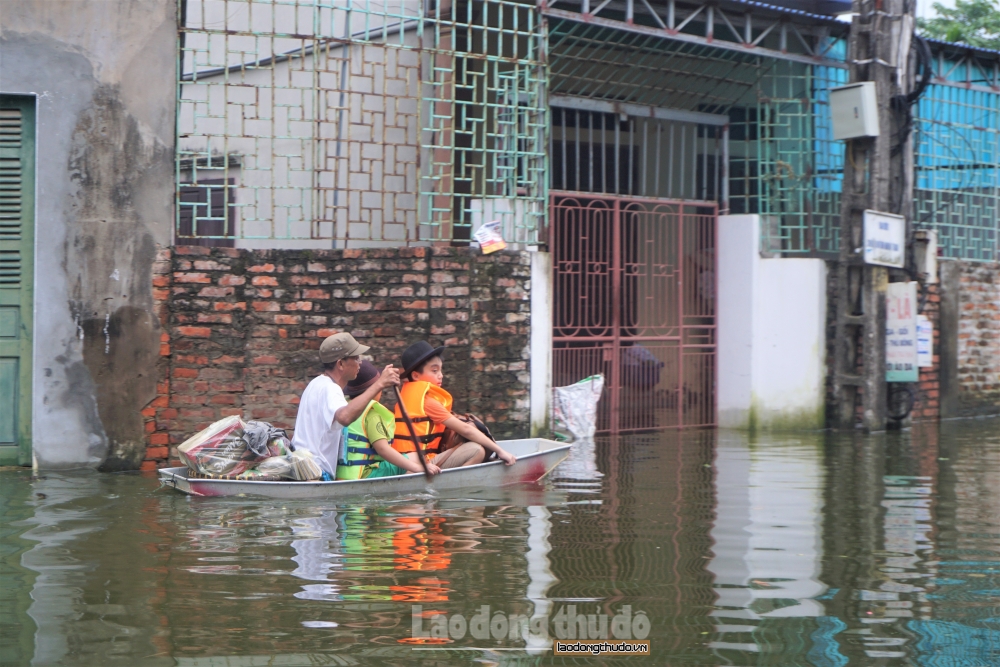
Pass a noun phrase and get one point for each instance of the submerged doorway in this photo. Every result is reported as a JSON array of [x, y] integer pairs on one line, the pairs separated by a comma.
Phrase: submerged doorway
[[633, 216], [634, 291], [17, 222]]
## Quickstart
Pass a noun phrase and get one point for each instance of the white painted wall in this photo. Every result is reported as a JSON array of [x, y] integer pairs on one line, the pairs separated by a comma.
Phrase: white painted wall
[[541, 341], [772, 334]]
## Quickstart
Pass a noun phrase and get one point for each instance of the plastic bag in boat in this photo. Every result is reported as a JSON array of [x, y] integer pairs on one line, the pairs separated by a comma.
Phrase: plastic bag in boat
[[299, 465], [574, 408], [265, 439], [223, 449]]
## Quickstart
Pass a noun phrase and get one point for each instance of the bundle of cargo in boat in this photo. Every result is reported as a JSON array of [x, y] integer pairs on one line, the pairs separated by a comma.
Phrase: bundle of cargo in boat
[[298, 466], [304, 467], [220, 449]]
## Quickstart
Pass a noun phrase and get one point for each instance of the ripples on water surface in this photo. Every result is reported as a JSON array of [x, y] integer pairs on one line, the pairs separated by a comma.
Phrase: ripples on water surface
[[818, 549]]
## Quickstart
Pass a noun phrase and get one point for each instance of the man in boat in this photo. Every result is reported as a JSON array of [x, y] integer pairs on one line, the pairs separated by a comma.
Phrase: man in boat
[[323, 409], [369, 437], [429, 407]]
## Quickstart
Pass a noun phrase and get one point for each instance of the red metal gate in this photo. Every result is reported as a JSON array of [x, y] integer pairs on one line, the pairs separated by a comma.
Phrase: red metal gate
[[635, 300]]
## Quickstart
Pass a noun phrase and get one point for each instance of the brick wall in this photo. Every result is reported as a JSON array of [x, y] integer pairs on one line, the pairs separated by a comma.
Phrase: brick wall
[[978, 344], [241, 329], [927, 394], [979, 337]]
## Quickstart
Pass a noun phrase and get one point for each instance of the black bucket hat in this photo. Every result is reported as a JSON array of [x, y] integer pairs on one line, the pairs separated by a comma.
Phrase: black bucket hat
[[417, 354], [367, 376]]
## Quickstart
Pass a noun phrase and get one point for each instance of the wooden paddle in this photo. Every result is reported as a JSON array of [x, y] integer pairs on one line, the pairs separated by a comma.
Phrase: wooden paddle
[[413, 432]]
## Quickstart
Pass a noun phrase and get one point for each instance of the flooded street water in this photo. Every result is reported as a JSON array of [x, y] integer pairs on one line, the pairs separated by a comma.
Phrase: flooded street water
[[808, 549]]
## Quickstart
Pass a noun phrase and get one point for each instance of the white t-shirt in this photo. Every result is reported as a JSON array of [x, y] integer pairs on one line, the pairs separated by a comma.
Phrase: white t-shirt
[[315, 429]]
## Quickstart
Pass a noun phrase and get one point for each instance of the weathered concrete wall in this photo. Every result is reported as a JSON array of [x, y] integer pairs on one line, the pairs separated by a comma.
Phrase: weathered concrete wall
[[103, 74], [242, 329], [970, 339]]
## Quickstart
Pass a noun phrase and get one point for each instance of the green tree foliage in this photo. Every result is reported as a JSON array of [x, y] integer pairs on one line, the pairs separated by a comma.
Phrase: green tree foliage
[[972, 22]]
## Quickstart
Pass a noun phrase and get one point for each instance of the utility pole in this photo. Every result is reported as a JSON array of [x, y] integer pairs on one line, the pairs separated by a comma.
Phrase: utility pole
[[877, 175]]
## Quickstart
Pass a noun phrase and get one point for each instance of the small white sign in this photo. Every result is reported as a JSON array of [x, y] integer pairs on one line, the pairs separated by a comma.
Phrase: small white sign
[[901, 333], [925, 342], [885, 239]]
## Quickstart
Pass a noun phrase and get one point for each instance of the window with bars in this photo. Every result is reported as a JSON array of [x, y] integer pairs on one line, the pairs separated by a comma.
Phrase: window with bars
[[207, 214]]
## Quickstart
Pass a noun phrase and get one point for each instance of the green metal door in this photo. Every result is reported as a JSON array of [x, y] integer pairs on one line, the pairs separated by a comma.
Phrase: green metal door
[[17, 226]]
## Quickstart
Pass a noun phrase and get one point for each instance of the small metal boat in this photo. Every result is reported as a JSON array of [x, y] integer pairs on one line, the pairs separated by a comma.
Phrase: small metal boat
[[536, 457]]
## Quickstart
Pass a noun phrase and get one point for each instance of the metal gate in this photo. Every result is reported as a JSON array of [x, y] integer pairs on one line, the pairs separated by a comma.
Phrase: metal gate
[[635, 300]]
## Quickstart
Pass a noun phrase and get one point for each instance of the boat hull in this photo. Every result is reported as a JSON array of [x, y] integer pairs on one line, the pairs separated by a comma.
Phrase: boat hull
[[536, 457]]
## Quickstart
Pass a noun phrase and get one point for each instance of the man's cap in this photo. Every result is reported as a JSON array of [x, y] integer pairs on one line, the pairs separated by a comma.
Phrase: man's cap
[[338, 346], [417, 354], [366, 378]]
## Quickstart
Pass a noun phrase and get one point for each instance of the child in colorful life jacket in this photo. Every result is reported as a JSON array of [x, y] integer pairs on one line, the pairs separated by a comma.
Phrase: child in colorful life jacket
[[429, 407], [367, 450]]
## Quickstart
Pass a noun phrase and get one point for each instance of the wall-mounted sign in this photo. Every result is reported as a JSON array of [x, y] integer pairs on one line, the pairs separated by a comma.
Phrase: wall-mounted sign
[[901, 333], [885, 239], [925, 342]]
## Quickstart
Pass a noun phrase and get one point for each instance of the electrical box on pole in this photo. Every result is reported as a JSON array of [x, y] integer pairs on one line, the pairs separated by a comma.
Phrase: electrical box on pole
[[854, 110]]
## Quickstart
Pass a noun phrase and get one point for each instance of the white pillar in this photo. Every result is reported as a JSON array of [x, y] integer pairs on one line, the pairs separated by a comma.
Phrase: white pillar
[[738, 262], [771, 333], [541, 341]]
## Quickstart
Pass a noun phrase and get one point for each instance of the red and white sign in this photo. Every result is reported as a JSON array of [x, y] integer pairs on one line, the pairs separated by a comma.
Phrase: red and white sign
[[901, 333]]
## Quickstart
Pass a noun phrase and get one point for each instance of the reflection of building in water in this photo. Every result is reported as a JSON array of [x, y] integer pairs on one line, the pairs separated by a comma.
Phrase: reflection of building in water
[[638, 535], [900, 502], [876, 534], [580, 467], [902, 566], [317, 554], [86, 574], [894, 589], [959, 627], [58, 594], [768, 546], [540, 577]]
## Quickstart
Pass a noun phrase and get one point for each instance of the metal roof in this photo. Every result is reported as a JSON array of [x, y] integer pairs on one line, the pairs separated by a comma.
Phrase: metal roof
[[829, 19], [963, 47], [788, 10]]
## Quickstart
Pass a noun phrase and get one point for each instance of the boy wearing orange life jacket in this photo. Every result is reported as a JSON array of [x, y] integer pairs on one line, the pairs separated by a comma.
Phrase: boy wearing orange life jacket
[[368, 451], [429, 407]]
